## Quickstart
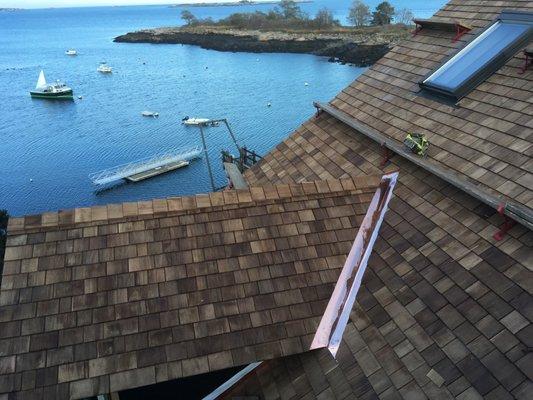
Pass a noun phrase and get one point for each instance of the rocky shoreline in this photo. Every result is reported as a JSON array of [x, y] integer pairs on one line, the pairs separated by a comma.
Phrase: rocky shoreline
[[361, 48]]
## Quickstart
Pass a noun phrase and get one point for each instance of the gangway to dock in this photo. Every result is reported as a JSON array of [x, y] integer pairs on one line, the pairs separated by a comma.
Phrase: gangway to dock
[[147, 167]]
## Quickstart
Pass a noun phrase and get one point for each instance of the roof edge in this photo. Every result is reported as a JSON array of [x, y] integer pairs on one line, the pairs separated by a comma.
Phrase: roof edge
[[233, 381], [177, 205]]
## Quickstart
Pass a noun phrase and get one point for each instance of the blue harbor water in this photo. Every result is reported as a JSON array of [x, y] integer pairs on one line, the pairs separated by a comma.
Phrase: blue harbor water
[[48, 149]]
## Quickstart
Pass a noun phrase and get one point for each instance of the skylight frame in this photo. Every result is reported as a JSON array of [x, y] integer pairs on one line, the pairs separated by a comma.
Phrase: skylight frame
[[488, 68]]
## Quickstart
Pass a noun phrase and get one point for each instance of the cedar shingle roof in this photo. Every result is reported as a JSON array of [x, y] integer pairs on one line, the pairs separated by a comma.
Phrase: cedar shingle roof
[[444, 311], [487, 138], [100, 299]]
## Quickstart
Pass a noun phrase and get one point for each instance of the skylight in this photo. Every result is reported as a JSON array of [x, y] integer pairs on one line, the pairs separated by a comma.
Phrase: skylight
[[483, 56]]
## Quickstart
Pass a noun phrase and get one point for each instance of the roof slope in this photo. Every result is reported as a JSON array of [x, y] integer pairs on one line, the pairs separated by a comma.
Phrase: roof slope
[[487, 138], [443, 311], [100, 299]]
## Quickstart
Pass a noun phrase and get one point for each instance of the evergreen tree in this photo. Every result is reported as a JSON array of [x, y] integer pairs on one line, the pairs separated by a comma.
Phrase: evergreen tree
[[383, 14], [188, 17], [290, 9]]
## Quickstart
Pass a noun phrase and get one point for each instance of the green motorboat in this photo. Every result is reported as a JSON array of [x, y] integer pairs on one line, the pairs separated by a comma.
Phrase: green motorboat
[[51, 91]]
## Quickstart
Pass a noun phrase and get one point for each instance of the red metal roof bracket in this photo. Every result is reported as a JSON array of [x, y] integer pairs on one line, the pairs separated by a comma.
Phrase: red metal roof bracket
[[417, 29], [335, 318], [460, 30], [508, 223], [387, 154]]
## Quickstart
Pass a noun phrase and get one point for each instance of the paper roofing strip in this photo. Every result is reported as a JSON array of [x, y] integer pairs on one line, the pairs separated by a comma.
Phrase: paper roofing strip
[[334, 320]]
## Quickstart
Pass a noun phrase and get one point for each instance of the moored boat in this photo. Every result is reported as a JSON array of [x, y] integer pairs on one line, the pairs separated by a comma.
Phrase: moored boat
[[150, 114], [71, 52], [104, 68], [52, 91], [195, 121]]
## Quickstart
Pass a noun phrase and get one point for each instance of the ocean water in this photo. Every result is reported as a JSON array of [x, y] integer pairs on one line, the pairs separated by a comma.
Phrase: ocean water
[[48, 149]]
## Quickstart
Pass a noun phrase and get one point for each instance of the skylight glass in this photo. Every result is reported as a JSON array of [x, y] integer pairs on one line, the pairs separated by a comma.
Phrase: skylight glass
[[484, 55]]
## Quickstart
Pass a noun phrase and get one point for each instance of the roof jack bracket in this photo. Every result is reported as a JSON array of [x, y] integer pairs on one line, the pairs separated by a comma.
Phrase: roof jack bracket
[[508, 223], [460, 30], [387, 155], [417, 29], [528, 61], [318, 110]]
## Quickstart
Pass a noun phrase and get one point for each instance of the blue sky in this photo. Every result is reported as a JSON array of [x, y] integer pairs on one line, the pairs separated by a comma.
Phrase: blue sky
[[82, 3]]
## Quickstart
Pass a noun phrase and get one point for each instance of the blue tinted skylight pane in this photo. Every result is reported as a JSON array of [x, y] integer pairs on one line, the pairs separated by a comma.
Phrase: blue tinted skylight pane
[[476, 55]]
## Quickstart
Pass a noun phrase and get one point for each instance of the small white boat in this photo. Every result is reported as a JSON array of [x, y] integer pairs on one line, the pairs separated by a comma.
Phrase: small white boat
[[71, 52], [195, 121], [150, 114], [104, 68]]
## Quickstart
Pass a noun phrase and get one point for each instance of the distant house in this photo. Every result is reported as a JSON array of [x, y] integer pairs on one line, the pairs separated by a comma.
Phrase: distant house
[[100, 300]]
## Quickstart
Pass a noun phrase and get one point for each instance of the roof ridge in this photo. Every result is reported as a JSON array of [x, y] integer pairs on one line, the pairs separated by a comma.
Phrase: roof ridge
[[177, 205]]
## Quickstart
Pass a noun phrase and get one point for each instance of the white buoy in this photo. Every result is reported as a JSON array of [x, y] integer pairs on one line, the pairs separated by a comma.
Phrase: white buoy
[[269, 104], [80, 97], [31, 180], [306, 84]]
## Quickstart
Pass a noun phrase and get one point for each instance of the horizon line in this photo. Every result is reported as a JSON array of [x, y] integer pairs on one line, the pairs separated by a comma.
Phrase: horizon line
[[185, 3]]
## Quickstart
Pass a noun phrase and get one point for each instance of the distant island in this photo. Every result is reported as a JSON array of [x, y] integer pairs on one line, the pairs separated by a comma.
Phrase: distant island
[[286, 29], [235, 3], [10, 9]]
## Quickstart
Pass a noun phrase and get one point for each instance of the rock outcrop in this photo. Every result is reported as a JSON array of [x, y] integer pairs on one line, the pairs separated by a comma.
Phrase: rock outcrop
[[355, 47]]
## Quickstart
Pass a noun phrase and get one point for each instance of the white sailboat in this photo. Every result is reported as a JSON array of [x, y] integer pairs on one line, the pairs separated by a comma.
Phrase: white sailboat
[[44, 90]]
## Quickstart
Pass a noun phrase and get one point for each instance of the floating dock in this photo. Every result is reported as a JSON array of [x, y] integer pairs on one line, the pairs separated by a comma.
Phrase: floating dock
[[147, 167], [156, 171]]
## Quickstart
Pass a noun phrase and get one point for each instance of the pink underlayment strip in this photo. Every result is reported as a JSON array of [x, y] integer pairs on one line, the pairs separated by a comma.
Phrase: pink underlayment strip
[[335, 318]]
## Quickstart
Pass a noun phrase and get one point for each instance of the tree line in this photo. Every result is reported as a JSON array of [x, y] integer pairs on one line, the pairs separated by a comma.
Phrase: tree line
[[384, 14], [288, 14]]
